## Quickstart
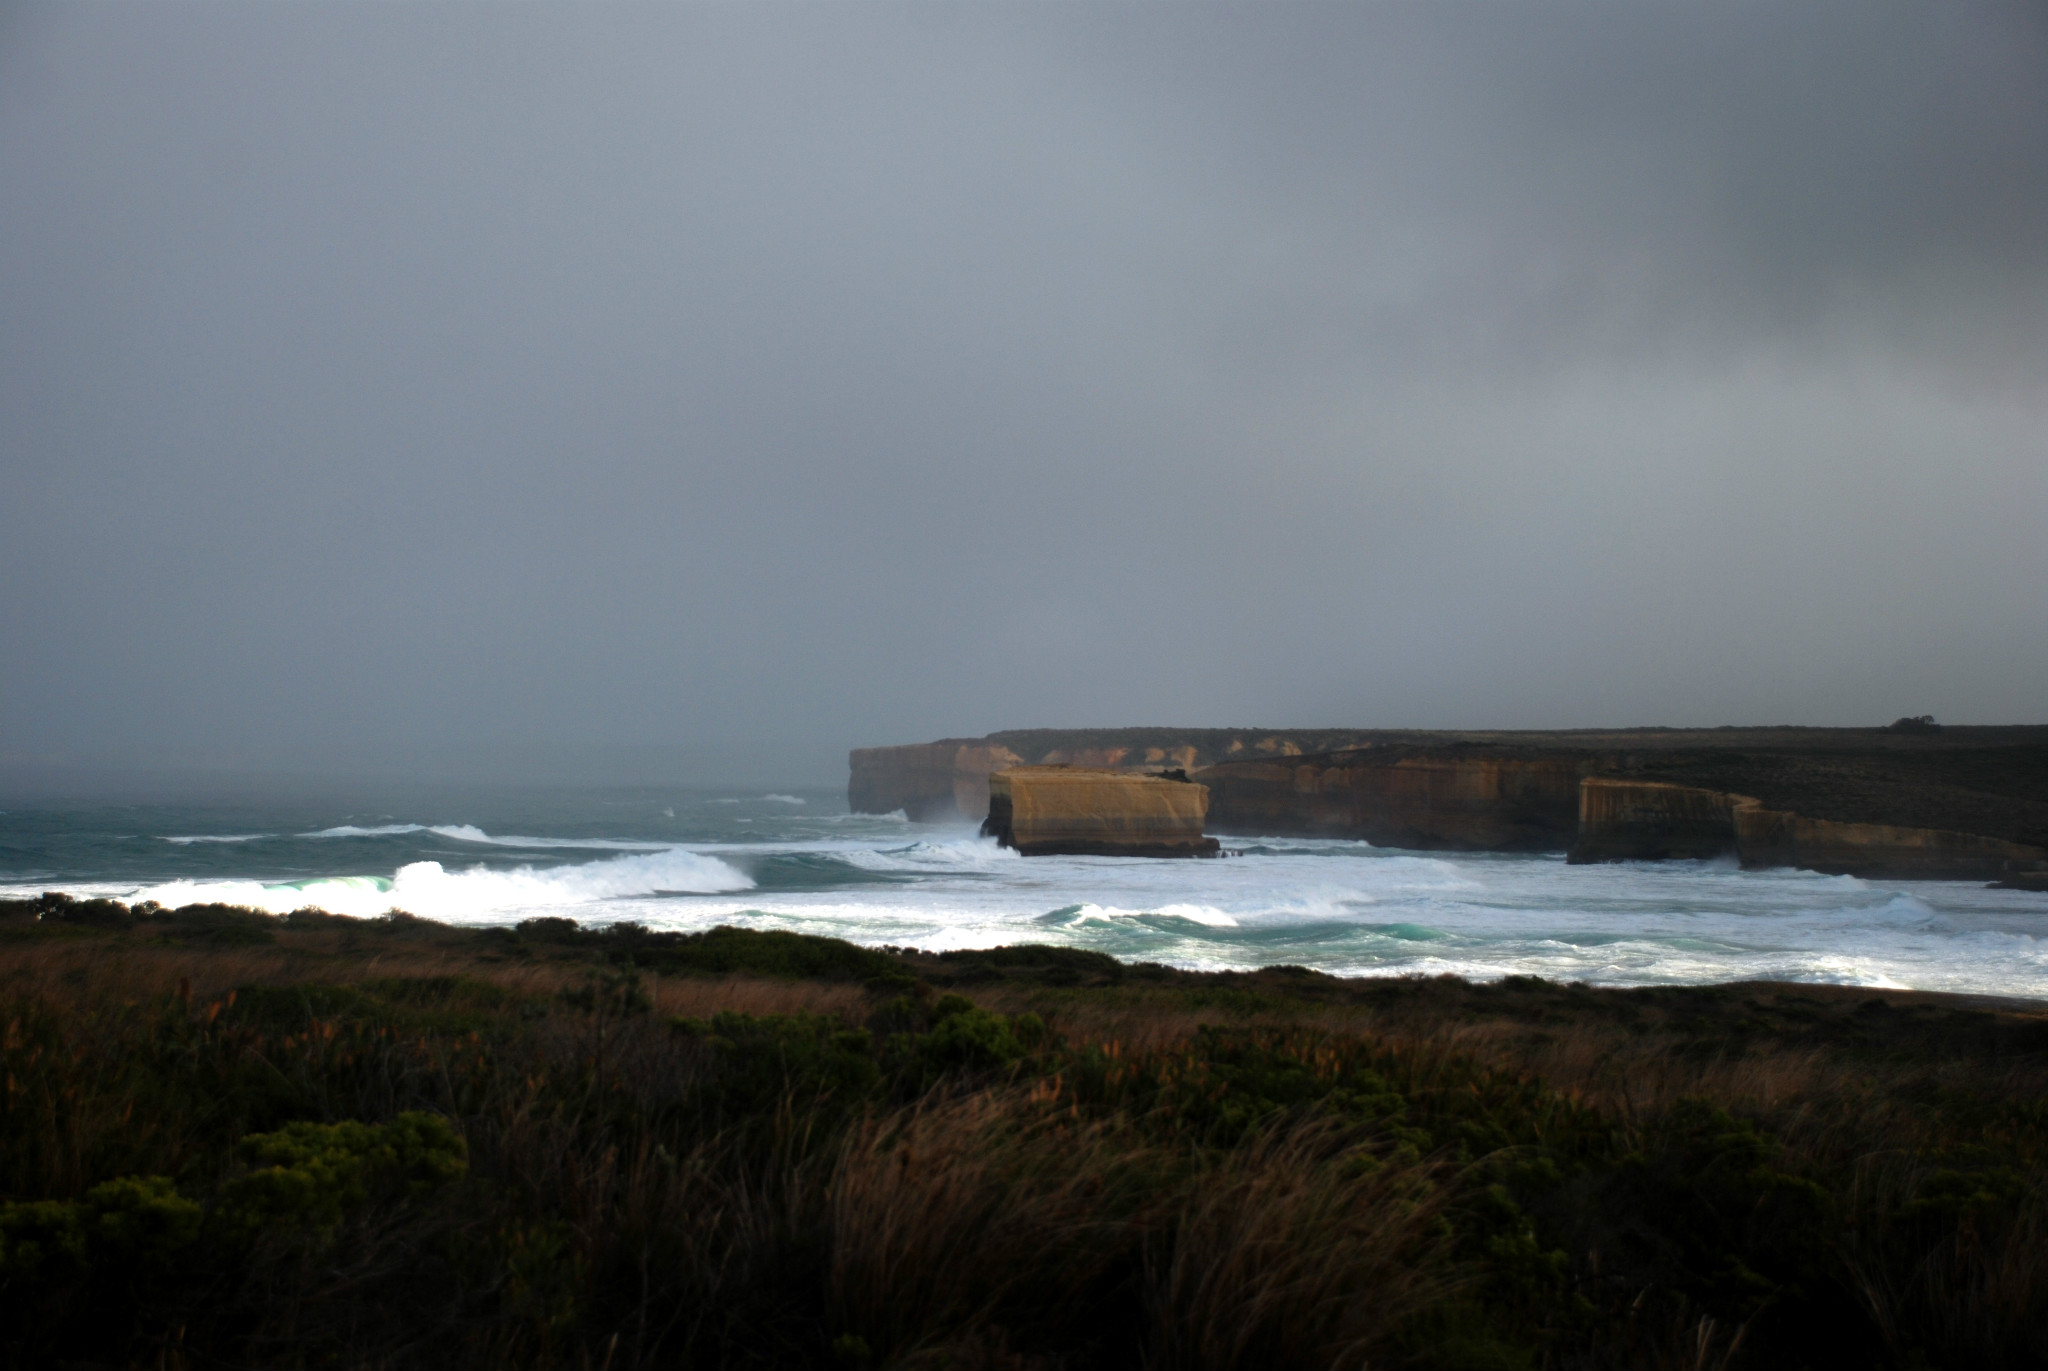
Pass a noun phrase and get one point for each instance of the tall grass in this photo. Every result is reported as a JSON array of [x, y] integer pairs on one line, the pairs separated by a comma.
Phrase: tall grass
[[769, 1170], [1299, 1250], [961, 1215]]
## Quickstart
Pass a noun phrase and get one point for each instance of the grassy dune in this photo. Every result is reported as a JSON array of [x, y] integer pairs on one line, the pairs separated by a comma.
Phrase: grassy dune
[[233, 1140]]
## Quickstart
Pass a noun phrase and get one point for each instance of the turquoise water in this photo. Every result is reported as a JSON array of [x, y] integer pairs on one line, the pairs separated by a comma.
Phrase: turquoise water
[[687, 859]]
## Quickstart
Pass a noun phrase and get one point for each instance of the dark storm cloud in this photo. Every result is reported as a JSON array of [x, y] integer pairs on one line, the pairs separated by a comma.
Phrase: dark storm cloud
[[655, 391]]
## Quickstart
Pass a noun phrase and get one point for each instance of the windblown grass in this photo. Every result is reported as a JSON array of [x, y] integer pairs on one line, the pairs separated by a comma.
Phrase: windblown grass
[[724, 1151]]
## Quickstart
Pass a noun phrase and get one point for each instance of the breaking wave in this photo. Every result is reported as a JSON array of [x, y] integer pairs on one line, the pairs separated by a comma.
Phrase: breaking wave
[[1340, 906], [1074, 915], [478, 893], [352, 831], [470, 833], [964, 854]]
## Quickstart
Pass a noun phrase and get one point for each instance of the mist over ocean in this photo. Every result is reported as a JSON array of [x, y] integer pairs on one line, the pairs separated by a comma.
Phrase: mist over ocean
[[797, 860]]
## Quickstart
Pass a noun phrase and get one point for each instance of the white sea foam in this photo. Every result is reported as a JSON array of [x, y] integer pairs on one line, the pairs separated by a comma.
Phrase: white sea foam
[[762, 799], [353, 831], [962, 854], [477, 893], [470, 833], [1340, 906], [217, 838], [1192, 913]]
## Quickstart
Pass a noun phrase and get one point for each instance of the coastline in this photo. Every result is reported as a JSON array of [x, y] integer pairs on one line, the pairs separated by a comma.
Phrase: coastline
[[1909, 800]]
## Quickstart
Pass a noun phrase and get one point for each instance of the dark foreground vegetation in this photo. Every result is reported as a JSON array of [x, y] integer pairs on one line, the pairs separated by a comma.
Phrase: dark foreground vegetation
[[229, 1140]]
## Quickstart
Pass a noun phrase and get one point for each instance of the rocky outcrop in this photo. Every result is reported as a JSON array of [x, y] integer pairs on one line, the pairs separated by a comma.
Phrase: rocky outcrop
[[1052, 810], [1470, 799], [916, 778], [1629, 820], [934, 782], [1771, 837], [929, 782]]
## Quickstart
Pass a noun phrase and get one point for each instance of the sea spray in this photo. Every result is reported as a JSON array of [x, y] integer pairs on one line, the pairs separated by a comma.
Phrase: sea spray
[[680, 860]]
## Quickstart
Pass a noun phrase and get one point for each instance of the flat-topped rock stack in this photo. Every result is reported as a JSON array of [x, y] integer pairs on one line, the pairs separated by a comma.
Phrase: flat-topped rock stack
[[1058, 810]]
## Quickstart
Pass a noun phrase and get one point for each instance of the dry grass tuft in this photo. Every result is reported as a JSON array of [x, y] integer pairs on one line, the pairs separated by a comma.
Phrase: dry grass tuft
[[1301, 1250], [1978, 1292], [964, 1221]]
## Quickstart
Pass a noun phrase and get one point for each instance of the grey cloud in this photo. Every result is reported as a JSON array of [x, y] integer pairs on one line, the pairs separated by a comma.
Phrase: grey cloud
[[704, 390]]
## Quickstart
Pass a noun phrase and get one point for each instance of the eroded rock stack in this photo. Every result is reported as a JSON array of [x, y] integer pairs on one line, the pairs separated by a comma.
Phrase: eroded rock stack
[[1089, 811], [948, 779]]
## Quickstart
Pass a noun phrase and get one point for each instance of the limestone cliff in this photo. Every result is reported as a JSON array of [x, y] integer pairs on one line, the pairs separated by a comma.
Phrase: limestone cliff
[[1771, 837], [1963, 802], [948, 779], [1622, 819], [1050, 810], [927, 781], [1473, 799], [1626, 820], [916, 778]]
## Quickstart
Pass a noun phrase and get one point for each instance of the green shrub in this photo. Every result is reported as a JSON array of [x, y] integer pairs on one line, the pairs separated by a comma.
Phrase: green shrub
[[312, 1175], [138, 1223], [963, 1036], [609, 993], [37, 1235], [143, 1217], [760, 1060]]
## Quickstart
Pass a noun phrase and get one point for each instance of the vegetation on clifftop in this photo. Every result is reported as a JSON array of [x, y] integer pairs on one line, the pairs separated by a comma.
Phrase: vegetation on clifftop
[[229, 1139]]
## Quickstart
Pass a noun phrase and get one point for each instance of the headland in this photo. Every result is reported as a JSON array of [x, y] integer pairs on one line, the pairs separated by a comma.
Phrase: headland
[[1908, 800]]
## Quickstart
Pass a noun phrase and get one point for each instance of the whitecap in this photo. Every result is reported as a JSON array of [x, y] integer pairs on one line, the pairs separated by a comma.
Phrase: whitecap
[[1204, 915], [476, 894], [470, 833], [218, 838], [962, 853], [353, 831]]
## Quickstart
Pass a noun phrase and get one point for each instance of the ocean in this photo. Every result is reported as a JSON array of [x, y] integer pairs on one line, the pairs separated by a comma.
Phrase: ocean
[[797, 860]]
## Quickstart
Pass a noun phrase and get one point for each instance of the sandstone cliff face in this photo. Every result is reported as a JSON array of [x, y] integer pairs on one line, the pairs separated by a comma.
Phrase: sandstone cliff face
[[916, 778], [1770, 837], [929, 782], [1450, 799], [1626, 820], [972, 766], [1964, 802], [1048, 810], [933, 782]]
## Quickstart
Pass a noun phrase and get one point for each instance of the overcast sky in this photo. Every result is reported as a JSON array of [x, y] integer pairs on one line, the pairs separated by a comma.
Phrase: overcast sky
[[594, 391]]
